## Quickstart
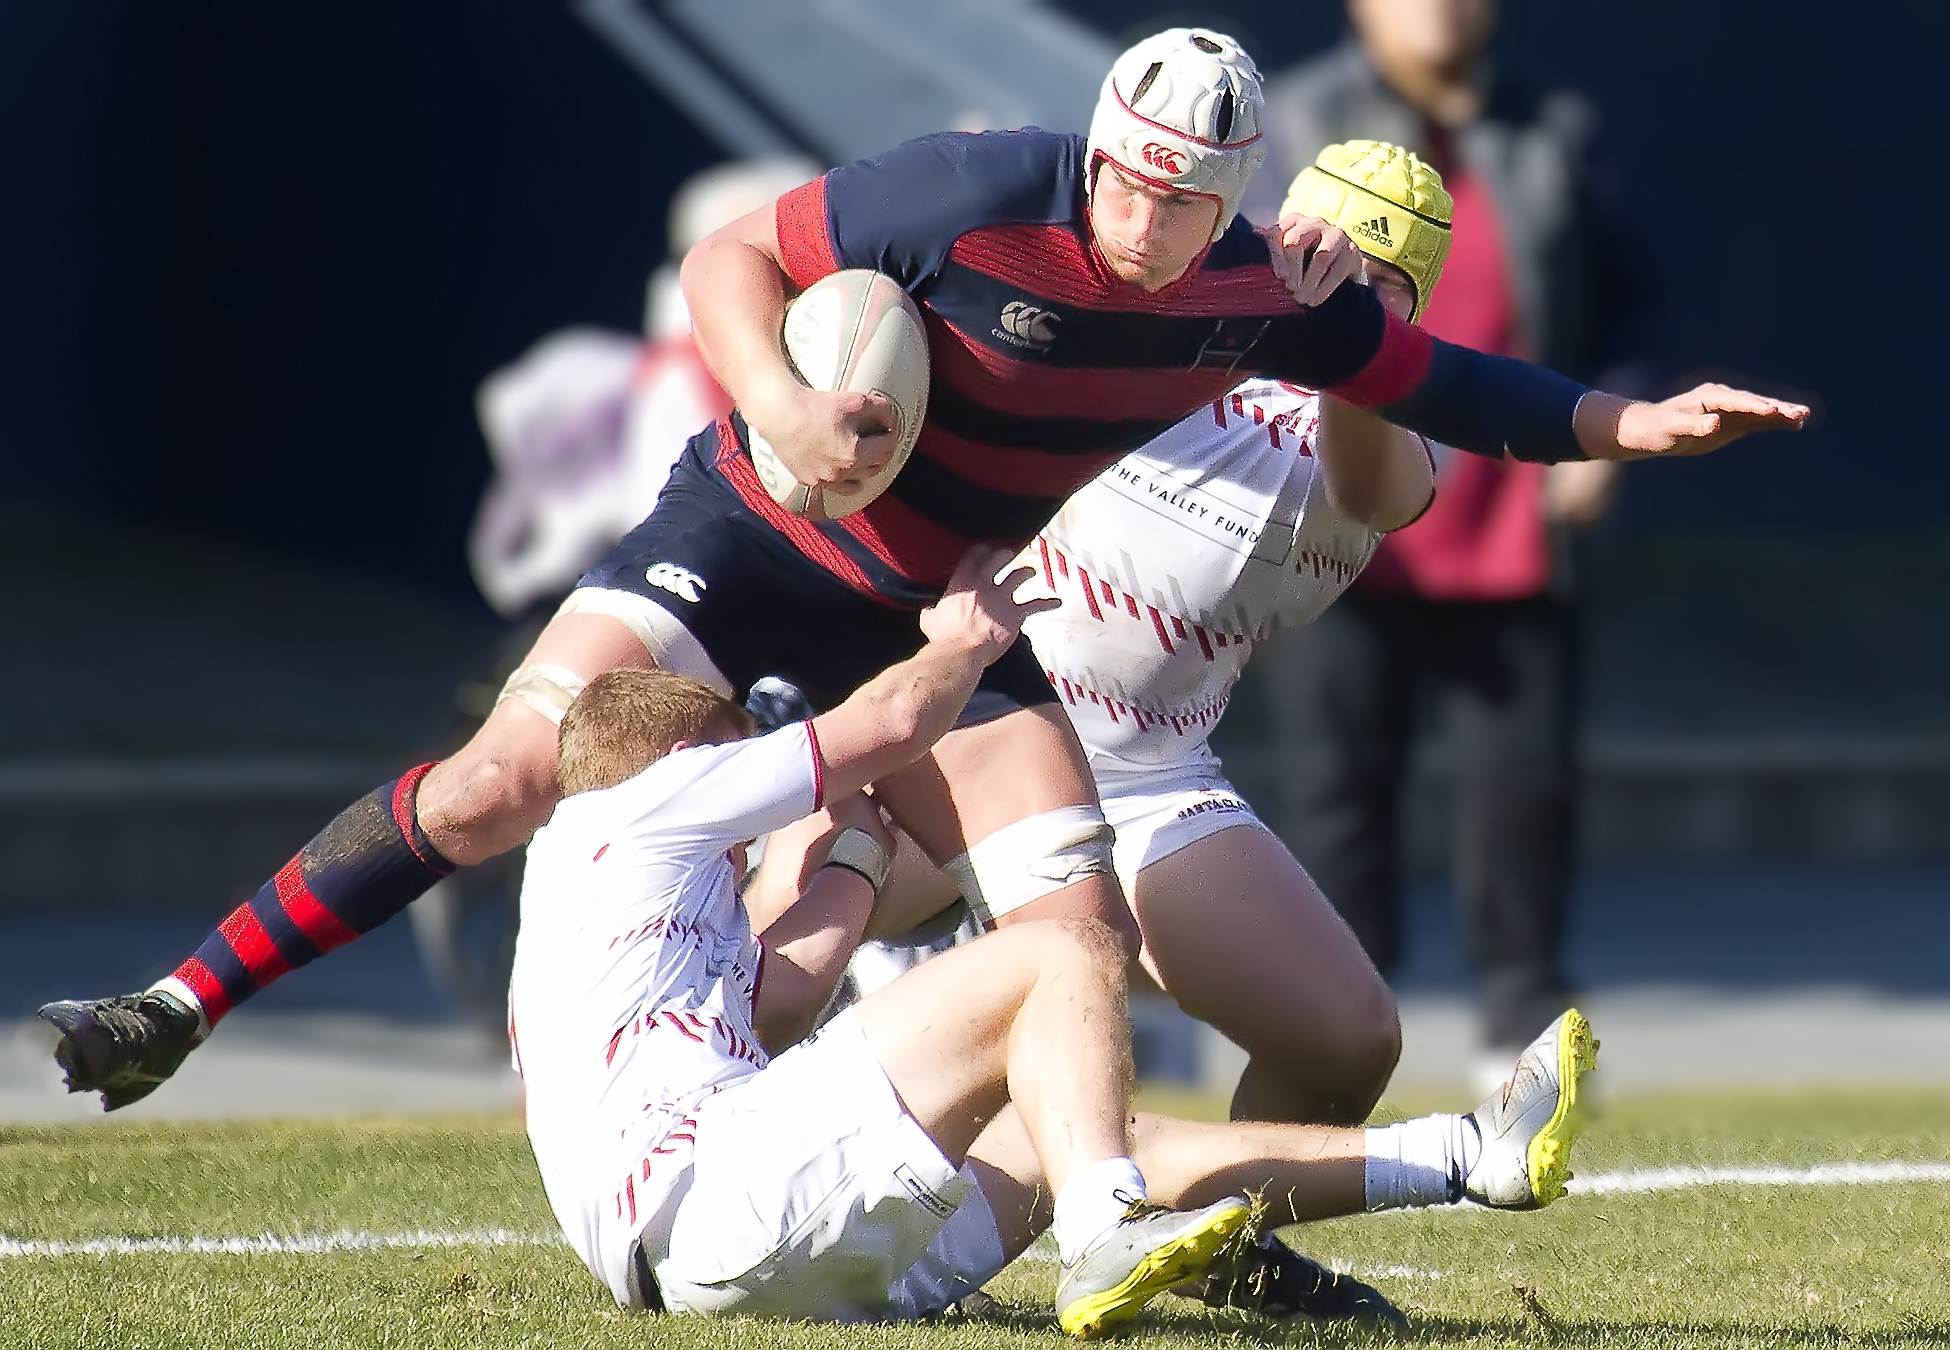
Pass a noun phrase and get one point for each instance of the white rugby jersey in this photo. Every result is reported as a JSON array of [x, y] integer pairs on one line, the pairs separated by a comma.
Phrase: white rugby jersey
[[635, 973], [1174, 561]]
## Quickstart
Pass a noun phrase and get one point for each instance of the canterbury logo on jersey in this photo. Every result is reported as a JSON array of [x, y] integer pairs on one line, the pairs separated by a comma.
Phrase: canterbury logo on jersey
[[1376, 229], [1027, 326], [679, 581]]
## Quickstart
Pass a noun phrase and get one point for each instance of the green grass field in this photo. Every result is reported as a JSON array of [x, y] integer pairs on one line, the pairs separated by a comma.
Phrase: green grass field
[[1715, 1265]]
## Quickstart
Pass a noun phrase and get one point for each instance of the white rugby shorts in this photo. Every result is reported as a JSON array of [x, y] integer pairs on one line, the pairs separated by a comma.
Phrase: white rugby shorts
[[1157, 810], [813, 1191]]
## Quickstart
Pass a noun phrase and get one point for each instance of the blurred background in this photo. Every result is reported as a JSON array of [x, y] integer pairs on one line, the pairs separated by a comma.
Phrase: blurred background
[[256, 263]]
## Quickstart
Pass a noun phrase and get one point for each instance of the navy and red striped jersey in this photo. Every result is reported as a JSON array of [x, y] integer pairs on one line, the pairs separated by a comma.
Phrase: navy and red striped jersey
[[1046, 368]]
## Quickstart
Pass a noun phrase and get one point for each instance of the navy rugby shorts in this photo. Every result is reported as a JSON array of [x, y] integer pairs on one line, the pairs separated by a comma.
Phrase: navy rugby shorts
[[760, 607]]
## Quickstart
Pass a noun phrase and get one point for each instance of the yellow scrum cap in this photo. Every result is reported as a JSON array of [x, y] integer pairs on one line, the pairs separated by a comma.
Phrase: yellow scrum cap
[[1390, 203]]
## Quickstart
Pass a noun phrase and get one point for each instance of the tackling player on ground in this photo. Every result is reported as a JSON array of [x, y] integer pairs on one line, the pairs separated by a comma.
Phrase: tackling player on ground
[[904, 1155], [690, 1171], [1081, 297]]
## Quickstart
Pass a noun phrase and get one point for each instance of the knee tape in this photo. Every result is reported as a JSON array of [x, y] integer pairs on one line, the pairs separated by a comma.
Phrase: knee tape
[[1026, 861], [549, 690]]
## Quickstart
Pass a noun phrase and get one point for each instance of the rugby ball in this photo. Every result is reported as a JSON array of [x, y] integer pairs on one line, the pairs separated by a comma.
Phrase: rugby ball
[[854, 331]]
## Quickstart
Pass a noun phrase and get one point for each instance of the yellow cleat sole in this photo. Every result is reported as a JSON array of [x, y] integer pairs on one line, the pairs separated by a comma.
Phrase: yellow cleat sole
[[1549, 1155], [1183, 1258]]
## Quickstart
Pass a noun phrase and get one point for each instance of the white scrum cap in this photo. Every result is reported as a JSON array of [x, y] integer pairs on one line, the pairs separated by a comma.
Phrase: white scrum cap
[[1183, 110]]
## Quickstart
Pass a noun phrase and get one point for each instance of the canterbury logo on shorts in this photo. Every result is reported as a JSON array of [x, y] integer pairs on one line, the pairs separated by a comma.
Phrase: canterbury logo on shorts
[[679, 581]]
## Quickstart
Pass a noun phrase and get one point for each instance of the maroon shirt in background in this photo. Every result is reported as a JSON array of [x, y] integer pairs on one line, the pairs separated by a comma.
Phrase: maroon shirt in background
[[1483, 539]]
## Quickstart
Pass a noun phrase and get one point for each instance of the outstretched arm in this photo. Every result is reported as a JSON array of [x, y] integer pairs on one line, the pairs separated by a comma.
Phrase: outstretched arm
[[810, 916], [1692, 423], [894, 718], [1495, 405], [1343, 342]]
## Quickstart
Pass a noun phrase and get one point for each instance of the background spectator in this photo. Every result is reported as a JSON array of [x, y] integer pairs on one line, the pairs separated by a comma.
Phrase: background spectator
[[1468, 600], [584, 428]]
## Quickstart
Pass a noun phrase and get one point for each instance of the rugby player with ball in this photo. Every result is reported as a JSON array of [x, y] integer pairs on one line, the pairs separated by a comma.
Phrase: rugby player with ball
[[1080, 295]]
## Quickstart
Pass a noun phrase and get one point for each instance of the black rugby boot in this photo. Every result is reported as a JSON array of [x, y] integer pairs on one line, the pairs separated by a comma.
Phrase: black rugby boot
[[122, 1047], [1272, 1279]]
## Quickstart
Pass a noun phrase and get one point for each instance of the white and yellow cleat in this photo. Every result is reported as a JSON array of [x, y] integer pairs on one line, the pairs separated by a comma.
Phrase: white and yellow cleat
[[1529, 1124], [1139, 1257]]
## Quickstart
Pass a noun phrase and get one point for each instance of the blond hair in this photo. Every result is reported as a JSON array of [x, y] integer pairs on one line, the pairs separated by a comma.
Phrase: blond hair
[[627, 720]]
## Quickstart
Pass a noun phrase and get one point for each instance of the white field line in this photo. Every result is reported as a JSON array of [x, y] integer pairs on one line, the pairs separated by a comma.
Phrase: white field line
[[303, 1244], [1636, 1182], [1821, 1174], [1385, 1272]]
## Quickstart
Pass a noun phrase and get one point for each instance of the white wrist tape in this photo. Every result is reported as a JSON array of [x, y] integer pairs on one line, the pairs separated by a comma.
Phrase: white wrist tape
[[1026, 861], [859, 852]]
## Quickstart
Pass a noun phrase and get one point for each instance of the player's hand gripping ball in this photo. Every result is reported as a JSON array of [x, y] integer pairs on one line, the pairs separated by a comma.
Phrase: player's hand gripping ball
[[855, 331]]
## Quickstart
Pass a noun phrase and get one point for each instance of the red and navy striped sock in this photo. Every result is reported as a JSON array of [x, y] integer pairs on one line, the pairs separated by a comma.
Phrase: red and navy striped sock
[[370, 863]]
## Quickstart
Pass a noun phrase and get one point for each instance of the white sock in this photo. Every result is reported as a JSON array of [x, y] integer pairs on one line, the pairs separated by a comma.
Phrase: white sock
[[1091, 1201], [186, 996], [1421, 1162]]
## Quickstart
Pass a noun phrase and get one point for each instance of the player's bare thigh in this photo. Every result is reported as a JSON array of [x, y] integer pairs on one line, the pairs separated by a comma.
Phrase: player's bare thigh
[[979, 779], [943, 1033], [499, 788], [1240, 936]]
